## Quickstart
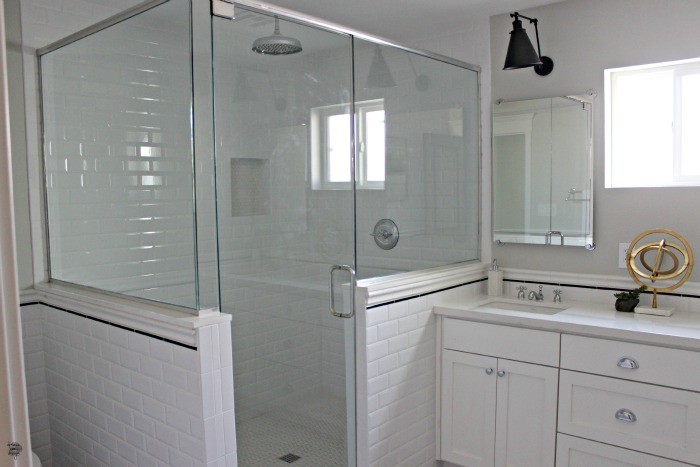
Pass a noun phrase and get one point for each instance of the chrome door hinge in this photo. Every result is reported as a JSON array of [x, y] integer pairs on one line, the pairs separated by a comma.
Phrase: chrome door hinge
[[14, 449], [222, 9]]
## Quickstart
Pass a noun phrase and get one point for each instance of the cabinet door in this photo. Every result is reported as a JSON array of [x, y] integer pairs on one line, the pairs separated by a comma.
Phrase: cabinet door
[[468, 408], [526, 414]]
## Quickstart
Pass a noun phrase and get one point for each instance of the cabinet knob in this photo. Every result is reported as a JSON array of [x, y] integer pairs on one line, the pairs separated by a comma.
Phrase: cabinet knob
[[489, 371], [628, 363], [501, 373], [625, 415]]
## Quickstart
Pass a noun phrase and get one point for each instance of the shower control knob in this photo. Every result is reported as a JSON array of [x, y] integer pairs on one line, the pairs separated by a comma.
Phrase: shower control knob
[[386, 234]]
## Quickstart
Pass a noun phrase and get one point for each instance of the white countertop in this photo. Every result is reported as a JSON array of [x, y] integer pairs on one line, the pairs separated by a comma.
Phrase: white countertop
[[680, 330]]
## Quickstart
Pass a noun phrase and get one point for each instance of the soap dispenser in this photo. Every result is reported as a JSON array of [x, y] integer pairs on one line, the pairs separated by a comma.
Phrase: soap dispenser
[[495, 280]]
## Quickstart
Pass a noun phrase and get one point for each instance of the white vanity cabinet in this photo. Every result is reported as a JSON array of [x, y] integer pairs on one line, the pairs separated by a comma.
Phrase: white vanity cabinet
[[498, 395], [582, 378]]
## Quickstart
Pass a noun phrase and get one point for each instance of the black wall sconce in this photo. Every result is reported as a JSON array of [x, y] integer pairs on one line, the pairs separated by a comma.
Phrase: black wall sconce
[[521, 53]]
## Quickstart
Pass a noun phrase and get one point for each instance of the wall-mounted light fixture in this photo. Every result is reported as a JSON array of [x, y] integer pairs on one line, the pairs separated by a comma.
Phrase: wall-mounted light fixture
[[521, 53]]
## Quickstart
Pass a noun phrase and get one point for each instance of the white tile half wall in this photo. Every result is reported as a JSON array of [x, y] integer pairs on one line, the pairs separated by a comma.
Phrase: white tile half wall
[[400, 383], [103, 395]]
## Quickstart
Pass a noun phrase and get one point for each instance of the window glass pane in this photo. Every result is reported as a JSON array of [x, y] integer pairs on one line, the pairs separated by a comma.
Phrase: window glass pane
[[339, 148], [642, 122], [375, 145], [690, 123]]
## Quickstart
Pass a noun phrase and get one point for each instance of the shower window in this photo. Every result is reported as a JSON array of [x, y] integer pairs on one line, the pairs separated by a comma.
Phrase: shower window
[[331, 151]]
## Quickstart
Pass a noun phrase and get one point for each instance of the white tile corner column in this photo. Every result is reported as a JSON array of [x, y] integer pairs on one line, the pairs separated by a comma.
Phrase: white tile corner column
[[216, 363], [396, 372]]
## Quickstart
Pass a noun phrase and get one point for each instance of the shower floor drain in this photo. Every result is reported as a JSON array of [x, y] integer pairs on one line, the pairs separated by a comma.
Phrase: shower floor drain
[[289, 458]]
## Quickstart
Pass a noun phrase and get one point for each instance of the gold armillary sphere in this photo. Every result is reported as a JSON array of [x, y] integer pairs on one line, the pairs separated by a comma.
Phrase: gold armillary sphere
[[666, 245]]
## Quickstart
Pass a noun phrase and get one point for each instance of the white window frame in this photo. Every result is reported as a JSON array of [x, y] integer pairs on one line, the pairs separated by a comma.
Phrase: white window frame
[[320, 176], [679, 68]]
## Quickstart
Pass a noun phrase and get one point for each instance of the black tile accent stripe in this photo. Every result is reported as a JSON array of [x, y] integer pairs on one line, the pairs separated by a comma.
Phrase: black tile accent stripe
[[425, 294], [99, 320], [612, 289]]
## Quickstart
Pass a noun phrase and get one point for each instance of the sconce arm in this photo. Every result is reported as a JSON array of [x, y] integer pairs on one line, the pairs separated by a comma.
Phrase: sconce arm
[[517, 15]]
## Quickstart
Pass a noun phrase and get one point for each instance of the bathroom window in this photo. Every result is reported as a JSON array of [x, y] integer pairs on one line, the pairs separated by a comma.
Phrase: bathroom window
[[651, 125], [331, 150]]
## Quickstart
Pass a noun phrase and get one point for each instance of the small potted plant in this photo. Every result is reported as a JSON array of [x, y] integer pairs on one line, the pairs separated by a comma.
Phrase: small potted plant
[[626, 301]]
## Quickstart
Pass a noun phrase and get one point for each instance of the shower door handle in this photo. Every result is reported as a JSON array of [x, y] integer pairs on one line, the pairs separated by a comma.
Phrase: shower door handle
[[351, 313]]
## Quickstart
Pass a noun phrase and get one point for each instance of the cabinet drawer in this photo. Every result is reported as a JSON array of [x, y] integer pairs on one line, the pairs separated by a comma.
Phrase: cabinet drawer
[[525, 345], [646, 418], [577, 452], [657, 365]]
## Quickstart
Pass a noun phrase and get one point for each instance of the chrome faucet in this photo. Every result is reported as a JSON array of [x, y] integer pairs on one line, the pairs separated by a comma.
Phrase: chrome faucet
[[521, 292], [537, 296]]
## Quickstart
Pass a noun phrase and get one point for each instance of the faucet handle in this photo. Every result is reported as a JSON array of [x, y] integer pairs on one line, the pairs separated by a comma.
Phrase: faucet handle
[[521, 292], [557, 295]]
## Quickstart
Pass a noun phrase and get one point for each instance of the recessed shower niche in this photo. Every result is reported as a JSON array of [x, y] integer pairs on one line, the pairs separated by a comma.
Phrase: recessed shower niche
[[250, 186]]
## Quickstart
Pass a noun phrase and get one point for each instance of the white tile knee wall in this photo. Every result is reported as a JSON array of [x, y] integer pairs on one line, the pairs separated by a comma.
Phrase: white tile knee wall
[[401, 381], [117, 397]]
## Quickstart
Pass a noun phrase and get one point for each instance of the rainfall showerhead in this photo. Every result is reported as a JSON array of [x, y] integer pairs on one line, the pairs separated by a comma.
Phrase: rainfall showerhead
[[276, 44]]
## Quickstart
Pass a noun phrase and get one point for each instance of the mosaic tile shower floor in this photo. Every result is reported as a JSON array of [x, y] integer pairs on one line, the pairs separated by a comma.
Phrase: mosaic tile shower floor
[[317, 437]]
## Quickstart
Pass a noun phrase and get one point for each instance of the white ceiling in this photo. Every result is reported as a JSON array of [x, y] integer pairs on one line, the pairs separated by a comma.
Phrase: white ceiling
[[402, 20]]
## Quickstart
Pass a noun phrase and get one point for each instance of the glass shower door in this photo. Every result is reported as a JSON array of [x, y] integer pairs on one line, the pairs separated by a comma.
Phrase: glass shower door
[[282, 98]]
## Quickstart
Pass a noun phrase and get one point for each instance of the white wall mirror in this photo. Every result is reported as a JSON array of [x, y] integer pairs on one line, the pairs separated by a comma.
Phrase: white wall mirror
[[543, 171]]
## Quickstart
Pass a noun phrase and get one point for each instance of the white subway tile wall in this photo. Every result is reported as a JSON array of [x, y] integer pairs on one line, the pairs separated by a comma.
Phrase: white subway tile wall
[[401, 380], [116, 109], [102, 395], [33, 342]]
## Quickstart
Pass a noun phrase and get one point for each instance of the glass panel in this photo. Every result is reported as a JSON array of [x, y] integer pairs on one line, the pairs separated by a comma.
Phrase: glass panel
[[282, 223], [426, 177], [116, 113]]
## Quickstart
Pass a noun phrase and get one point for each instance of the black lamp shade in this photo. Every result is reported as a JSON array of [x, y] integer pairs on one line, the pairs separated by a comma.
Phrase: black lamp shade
[[521, 53]]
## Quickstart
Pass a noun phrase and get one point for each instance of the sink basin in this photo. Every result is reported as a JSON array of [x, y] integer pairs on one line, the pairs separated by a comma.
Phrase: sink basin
[[521, 306]]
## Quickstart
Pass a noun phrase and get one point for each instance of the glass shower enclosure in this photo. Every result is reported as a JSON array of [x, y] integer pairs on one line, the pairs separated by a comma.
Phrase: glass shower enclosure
[[261, 164]]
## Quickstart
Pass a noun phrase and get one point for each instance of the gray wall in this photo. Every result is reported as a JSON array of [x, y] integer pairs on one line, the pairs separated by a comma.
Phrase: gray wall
[[584, 37], [13, 40]]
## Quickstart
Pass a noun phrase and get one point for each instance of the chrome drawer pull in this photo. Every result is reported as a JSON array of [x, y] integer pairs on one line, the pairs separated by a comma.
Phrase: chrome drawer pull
[[628, 363], [501, 373], [626, 415], [489, 371]]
